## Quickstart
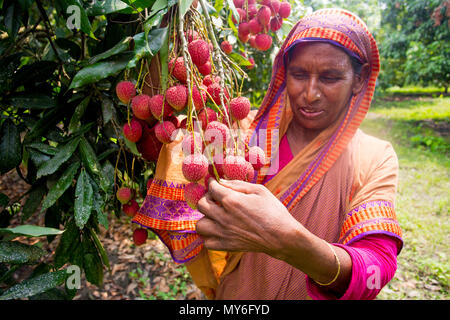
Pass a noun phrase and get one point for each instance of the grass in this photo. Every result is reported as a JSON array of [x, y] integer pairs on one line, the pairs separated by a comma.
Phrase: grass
[[419, 131]]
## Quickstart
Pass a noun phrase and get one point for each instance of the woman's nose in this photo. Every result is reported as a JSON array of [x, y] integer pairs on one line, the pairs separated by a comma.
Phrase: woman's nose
[[312, 91]]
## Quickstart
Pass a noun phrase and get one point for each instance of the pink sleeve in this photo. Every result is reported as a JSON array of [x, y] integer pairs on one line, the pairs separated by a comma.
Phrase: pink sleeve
[[374, 262]]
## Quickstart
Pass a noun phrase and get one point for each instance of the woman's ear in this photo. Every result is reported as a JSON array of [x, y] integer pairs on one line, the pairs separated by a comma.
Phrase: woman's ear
[[360, 78]]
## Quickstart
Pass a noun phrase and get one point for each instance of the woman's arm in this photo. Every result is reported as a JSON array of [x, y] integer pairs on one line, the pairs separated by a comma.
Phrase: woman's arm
[[240, 216]]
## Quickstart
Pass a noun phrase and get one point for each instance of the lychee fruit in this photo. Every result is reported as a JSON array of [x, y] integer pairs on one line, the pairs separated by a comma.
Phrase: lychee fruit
[[199, 96], [140, 107], [177, 97], [226, 47], [194, 167], [235, 168], [243, 35], [132, 131], [193, 192], [216, 130], [178, 69], [206, 116], [254, 27], [199, 51], [205, 69], [159, 107], [192, 143], [238, 3], [274, 6], [256, 156], [276, 23], [263, 41], [149, 146], [239, 107], [264, 15], [252, 65], [209, 79], [125, 91], [130, 208], [252, 10], [191, 35], [250, 172], [214, 92], [140, 236], [124, 195], [242, 16], [164, 130], [285, 10]]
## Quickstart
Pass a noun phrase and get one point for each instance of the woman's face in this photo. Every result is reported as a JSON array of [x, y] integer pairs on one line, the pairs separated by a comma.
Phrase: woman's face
[[320, 81]]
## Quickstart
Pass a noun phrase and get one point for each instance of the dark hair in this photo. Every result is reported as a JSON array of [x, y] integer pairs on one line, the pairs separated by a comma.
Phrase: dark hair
[[356, 65]]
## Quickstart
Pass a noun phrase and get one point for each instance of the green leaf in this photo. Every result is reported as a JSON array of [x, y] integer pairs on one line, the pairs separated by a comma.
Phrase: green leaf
[[58, 189], [242, 61], [100, 70], [8, 67], [218, 5], [12, 19], [234, 12], [10, 146], [105, 7], [132, 146], [147, 47], [108, 110], [39, 71], [17, 253], [32, 101], [33, 201], [84, 198], [64, 153], [163, 57], [31, 231], [89, 157], [75, 121], [3, 200], [68, 244], [35, 285], [100, 249], [118, 48], [43, 148], [80, 13], [107, 177], [184, 6]]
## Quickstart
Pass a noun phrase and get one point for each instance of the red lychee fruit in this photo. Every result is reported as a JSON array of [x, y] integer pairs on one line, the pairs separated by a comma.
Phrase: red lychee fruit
[[130, 208], [124, 195], [252, 41], [285, 10], [251, 11], [192, 143], [132, 131], [256, 156], [254, 27], [140, 107], [149, 146], [238, 3], [264, 15], [263, 41], [125, 91], [193, 192], [226, 47], [242, 16], [244, 35], [235, 168], [177, 97], [210, 79], [239, 107], [191, 35], [206, 116], [274, 6], [157, 104], [214, 91], [140, 236], [199, 97], [216, 130], [244, 28], [276, 23], [199, 51], [250, 172], [164, 130], [194, 167], [205, 69], [178, 70]]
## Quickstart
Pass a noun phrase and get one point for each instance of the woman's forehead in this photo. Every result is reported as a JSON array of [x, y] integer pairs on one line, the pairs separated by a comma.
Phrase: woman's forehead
[[324, 54]]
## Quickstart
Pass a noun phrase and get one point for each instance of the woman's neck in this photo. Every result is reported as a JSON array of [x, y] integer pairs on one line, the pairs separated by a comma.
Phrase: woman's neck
[[299, 137]]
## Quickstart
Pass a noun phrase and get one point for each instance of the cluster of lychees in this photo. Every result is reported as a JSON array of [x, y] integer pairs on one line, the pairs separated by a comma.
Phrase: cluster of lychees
[[257, 18]]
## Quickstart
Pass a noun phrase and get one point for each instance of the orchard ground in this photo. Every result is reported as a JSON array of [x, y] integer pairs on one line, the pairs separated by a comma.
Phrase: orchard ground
[[417, 124]]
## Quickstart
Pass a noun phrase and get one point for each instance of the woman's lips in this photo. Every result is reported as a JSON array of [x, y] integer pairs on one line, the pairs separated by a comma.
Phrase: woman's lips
[[310, 113]]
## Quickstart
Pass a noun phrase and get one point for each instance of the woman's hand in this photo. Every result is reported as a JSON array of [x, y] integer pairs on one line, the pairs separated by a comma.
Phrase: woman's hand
[[241, 216]]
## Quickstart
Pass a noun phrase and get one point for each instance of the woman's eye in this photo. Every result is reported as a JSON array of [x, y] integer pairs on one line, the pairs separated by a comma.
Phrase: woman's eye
[[300, 76], [329, 79]]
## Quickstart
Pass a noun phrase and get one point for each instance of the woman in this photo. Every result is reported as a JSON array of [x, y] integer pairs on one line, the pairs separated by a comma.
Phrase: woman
[[322, 226]]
